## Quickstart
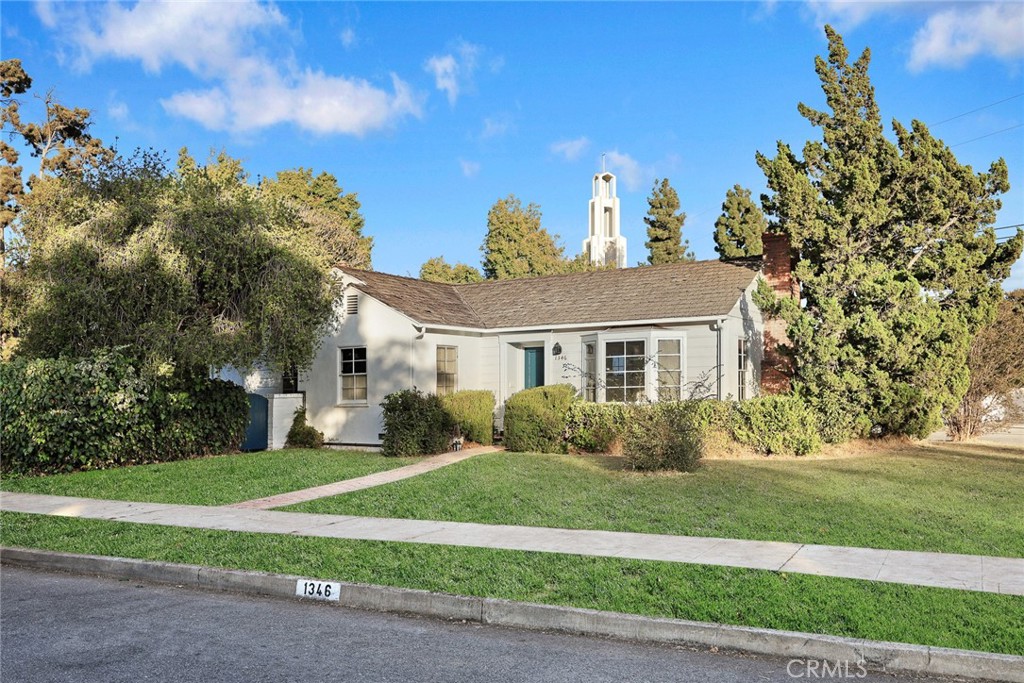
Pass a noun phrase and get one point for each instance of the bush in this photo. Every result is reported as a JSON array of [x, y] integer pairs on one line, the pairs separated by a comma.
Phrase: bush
[[62, 414], [473, 412], [663, 436], [595, 427], [535, 419], [415, 424], [781, 424], [303, 435]]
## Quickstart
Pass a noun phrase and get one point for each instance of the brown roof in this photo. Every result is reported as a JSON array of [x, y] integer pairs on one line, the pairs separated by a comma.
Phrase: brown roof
[[679, 290]]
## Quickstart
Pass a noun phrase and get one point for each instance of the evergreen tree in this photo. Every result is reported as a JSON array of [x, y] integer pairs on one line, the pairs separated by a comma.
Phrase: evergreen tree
[[439, 270], [898, 264], [665, 226], [332, 215], [516, 245], [738, 230]]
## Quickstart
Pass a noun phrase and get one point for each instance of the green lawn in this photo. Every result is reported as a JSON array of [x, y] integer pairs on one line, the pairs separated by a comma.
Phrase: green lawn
[[954, 499], [218, 480], [844, 607]]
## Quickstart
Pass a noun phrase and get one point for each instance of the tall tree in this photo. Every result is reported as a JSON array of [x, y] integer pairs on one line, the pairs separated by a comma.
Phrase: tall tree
[[665, 226], [194, 267], [897, 262], [439, 270], [516, 245], [61, 142], [332, 215], [738, 230]]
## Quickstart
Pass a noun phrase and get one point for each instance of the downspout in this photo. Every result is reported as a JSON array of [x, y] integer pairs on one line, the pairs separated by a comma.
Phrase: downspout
[[718, 363], [420, 331]]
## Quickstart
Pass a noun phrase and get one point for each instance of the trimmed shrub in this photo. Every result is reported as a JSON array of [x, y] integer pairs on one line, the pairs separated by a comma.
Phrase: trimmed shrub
[[62, 414], [663, 436], [535, 419], [595, 427], [781, 424], [302, 434], [473, 412], [415, 424]]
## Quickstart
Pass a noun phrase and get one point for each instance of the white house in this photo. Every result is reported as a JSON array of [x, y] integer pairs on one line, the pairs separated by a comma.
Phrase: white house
[[649, 333], [653, 332]]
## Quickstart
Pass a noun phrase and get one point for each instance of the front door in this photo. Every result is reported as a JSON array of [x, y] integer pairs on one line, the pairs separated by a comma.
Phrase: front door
[[534, 362]]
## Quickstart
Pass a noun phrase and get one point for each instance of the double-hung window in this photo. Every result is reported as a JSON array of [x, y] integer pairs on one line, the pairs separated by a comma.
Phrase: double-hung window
[[447, 369], [353, 373], [670, 369], [625, 375]]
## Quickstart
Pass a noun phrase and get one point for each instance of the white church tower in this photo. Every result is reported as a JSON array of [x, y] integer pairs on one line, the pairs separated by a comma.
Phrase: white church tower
[[605, 245]]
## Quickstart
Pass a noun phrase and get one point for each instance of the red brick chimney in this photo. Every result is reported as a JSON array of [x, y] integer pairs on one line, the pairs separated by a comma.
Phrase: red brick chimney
[[777, 269]]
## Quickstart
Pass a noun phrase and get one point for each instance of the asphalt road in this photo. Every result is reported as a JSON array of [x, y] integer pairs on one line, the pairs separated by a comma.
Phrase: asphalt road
[[59, 627]]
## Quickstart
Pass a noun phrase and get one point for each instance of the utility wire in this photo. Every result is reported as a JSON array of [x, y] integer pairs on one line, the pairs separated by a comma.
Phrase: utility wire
[[954, 118], [987, 135]]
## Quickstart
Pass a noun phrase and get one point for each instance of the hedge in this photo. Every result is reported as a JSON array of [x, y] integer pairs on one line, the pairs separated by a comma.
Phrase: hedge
[[535, 419], [415, 424], [473, 412], [595, 427], [62, 414], [780, 424], [664, 436]]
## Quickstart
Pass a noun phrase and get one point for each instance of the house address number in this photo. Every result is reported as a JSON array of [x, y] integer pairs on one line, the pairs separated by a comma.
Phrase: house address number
[[318, 590]]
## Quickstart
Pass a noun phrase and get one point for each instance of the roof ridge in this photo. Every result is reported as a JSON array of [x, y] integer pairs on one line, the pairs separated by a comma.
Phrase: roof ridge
[[471, 307]]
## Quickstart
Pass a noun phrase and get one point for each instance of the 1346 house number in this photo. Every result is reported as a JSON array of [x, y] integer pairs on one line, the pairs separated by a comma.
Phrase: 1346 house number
[[317, 590]]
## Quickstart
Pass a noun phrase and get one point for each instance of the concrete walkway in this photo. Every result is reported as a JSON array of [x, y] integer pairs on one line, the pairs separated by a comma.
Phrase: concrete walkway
[[359, 483], [965, 572]]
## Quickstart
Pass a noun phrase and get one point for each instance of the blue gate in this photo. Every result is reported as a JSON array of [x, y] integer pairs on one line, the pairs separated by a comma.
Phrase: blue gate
[[256, 431]]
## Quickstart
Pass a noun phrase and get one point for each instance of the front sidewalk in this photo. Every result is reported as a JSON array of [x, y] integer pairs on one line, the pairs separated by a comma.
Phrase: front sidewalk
[[965, 572]]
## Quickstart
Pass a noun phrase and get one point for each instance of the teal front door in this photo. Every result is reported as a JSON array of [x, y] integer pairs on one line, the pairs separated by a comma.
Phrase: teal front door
[[534, 361]]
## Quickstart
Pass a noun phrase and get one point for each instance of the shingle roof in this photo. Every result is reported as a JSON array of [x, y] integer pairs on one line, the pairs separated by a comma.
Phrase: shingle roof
[[678, 290]]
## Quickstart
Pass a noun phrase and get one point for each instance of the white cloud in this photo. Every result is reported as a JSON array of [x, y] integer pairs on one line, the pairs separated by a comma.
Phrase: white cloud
[[847, 14], [453, 72], [634, 174], [496, 127], [349, 39], [470, 169], [118, 110], [954, 36], [570, 150], [221, 44]]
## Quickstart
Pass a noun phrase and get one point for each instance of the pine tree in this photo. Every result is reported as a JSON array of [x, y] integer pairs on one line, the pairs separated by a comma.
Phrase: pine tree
[[738, 230], [516, 245], [898, 264], [665, 225]]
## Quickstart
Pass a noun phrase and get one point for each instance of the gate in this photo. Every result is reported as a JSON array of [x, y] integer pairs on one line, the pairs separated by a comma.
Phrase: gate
[[256, 431]]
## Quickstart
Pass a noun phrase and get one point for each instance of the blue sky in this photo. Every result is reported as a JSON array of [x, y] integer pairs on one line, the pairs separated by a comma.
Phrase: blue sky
[[431, 112]]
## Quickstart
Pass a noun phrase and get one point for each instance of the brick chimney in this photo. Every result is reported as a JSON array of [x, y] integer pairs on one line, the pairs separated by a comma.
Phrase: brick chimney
[[777, 269]]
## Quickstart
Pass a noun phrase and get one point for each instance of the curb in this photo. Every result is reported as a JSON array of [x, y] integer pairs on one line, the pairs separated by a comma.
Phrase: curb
[[876, 656]]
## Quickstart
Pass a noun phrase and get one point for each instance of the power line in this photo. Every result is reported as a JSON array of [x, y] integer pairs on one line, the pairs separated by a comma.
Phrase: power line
[[954, 118], [987, 135]]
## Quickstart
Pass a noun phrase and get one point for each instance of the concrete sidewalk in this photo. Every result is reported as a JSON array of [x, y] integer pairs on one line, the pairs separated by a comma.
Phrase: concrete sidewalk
[[366, 482], [965, 572]]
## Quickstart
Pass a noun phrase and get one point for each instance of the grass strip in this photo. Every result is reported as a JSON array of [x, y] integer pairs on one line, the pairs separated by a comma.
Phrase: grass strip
[[842, 607], [937, 498], [216, 480]]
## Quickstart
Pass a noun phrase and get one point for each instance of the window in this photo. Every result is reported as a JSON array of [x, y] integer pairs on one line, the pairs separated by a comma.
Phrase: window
[[353, 373], [625, 376], [447, 369], [742, 358], [590, 371], [670, 370]]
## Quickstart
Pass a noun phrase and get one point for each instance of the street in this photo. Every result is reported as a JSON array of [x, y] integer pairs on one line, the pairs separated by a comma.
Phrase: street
[[64, 628]]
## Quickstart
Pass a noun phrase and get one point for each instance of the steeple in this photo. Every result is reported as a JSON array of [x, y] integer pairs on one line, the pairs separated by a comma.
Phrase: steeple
[[605, 245]]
